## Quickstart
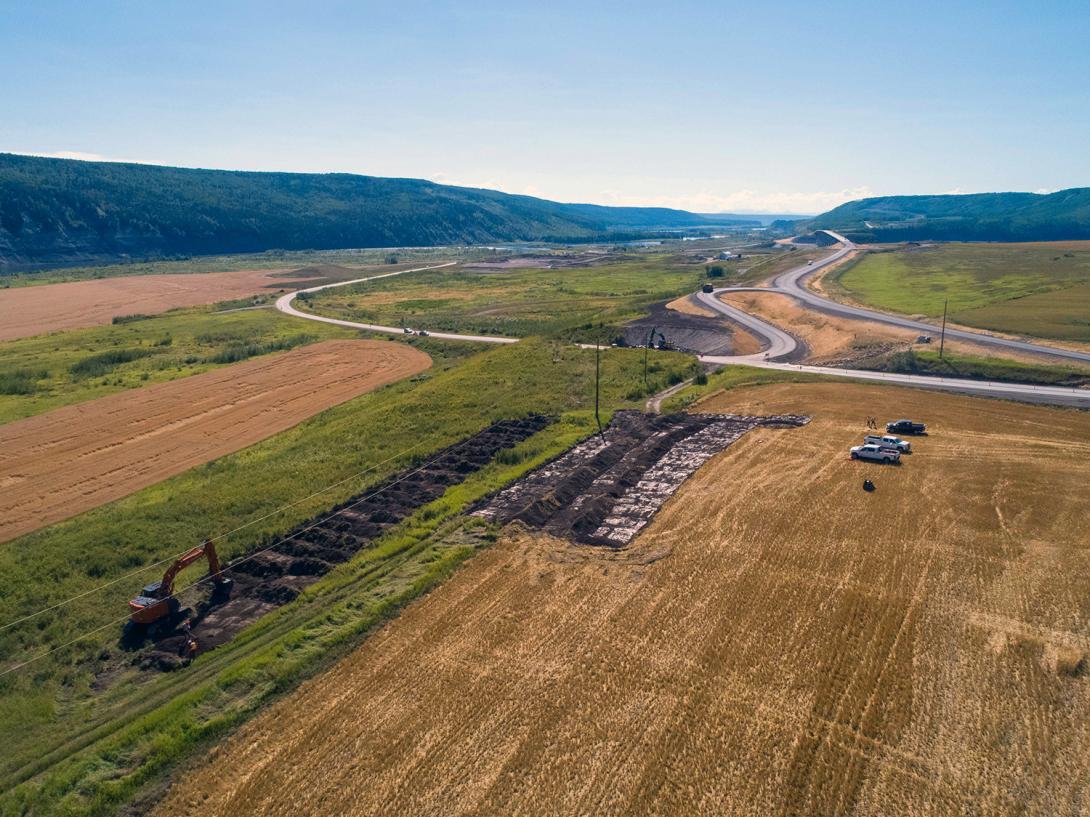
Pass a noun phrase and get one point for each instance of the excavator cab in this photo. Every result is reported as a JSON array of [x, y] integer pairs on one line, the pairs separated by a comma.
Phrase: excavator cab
[[156, 600]]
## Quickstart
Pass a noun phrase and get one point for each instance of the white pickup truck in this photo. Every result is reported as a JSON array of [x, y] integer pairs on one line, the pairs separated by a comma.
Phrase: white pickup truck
[[888, 441], [875, 453]]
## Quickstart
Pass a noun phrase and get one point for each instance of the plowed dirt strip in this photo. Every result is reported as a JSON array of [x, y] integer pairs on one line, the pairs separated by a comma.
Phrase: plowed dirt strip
[[56, 465], [26, 311], [777, 642]]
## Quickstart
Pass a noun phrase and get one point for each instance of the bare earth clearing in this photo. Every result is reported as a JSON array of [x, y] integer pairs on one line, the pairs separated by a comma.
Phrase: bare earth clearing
[[27, 311], [56, 465], [777, 642], [741, 341]]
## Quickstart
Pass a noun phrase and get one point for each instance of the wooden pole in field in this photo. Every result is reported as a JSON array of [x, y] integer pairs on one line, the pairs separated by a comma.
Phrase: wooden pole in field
[[942, 337], [646, 351], [597, 378]]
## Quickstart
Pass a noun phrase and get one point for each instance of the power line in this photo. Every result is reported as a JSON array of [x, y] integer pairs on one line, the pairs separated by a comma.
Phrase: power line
[[216, 538], [247, 558]]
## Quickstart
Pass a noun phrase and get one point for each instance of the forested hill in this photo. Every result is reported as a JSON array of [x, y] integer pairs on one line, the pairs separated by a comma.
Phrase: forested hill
[[976, 217], [56, 210]]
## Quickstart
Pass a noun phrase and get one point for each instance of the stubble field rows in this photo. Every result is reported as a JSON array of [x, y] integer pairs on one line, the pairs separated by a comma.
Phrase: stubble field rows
[[776, 642]]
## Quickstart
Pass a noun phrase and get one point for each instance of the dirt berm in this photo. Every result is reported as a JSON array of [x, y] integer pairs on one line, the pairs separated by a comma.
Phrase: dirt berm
[[607, 488], [689, 333], [272, 576]]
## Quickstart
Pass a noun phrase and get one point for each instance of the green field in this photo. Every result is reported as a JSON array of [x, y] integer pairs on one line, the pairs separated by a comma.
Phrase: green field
[[90, 750], [42, 373], [1040, 290], [566, 304]]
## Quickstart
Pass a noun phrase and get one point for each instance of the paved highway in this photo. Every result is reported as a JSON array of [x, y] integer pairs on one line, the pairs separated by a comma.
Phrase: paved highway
[[792, 283], [283, 303], [779, 344], [1051, 395]]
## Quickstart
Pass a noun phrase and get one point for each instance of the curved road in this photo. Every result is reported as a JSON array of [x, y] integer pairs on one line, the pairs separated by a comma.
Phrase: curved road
[[283, 303], [792, 283], [778, 342]]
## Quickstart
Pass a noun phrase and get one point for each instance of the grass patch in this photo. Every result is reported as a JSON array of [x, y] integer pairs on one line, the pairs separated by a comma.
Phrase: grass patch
[[235, 352], [106, 362], [21, 382], [1040, 290], [729, 377], [574, 304]]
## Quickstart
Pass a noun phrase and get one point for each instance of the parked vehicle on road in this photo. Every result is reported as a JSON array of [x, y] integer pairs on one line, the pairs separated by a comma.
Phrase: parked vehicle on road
[[888, 441], [408, 331], [906, 427], [423, 333], [875, 453], [707, 288]]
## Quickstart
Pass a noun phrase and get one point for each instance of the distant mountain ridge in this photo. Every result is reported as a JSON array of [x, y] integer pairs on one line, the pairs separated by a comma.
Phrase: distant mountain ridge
[[63, 210], [1063, 215]]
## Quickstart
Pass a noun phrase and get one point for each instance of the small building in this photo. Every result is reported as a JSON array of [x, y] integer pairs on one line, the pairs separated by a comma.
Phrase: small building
[[726, 255]]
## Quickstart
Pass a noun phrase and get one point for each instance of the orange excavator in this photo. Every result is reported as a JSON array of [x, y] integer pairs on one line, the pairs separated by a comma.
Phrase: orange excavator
[[156, 601]]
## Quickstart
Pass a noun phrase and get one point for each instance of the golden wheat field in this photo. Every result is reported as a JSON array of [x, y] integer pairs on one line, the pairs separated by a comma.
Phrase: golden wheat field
[[777, 642]]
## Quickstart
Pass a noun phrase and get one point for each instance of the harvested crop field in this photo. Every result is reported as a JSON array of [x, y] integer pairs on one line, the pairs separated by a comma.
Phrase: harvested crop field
[[777, 642], [27, 311], [56, 465]]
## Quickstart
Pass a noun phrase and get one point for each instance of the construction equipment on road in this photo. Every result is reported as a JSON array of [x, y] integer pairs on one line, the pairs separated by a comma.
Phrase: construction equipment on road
[[156, 601]]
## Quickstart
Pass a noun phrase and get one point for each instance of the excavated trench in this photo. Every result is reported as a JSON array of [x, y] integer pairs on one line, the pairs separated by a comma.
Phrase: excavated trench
[[608, 488], [273, 576]]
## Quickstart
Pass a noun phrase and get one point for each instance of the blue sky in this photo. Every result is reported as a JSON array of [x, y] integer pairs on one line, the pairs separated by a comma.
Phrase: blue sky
[[704, 105]]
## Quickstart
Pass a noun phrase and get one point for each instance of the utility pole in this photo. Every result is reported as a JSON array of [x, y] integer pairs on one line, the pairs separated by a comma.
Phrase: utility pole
[[646, 351], [942, 337], [597, 378]]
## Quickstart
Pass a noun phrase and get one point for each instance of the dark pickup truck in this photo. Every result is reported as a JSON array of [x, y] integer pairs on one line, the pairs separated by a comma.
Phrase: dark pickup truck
[[707, 288], [906, 427]]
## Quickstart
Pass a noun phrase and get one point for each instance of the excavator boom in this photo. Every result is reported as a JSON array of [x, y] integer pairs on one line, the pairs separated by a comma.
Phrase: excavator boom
[[156, 601]]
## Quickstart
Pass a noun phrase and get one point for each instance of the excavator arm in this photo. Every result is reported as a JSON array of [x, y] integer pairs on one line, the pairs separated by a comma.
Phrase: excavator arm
[[156, 600], [205, 548]]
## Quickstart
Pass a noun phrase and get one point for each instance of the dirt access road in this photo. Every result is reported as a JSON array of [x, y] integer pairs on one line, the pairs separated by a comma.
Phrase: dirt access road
[[56, 465], [36, 310], [756, 651]]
